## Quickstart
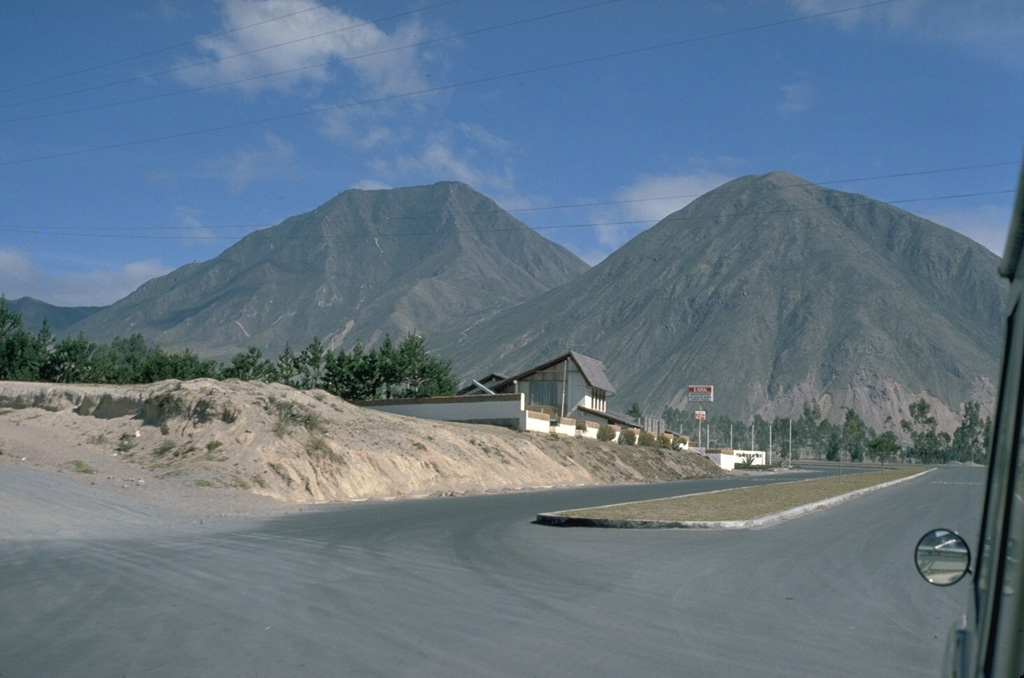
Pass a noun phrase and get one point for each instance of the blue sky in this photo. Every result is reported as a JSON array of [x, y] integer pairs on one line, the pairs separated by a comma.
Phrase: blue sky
[[137, 136]]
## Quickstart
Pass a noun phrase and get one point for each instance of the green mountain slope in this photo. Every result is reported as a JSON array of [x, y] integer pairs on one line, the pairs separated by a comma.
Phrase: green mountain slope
[[60, 318], [423, 259], [775, 291]]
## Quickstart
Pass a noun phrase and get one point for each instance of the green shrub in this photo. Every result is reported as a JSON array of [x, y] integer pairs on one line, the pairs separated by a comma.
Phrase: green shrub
[[627, 437], [605, 433], [79, 466], [647, 439], [164, 447]]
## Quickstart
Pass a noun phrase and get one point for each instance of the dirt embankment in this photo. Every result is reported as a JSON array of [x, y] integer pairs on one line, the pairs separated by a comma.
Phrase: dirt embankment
[[206, 440]]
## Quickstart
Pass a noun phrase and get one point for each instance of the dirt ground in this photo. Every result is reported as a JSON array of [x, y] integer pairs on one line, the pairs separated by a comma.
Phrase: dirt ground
[[203, 449]]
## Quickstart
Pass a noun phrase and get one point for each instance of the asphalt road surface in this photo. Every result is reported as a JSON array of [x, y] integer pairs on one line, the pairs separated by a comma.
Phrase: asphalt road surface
[[471, 587]]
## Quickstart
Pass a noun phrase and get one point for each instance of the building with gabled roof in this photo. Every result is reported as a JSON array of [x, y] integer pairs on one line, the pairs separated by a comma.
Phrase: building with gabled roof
[[563, 384], [569, 390]]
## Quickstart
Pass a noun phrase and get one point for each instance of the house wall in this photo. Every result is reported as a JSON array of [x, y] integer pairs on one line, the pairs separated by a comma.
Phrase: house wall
[[565, 427], [499, 410], [546, 387], [724, 459], [537, 421], [587, 429], [758, 455]]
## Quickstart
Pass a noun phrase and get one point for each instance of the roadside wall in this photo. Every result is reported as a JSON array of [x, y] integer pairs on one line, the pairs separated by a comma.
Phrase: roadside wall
[[498, 410]]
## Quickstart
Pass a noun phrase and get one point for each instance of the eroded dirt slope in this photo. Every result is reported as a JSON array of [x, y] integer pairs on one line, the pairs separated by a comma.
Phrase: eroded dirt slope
[[191, 439]]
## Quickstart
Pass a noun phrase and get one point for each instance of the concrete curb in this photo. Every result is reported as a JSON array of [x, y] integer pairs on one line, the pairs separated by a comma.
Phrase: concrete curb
[[561, 520]]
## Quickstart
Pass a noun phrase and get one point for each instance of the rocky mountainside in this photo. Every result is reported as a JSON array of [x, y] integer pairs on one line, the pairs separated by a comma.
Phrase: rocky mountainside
[[423, 259], [775, 291]]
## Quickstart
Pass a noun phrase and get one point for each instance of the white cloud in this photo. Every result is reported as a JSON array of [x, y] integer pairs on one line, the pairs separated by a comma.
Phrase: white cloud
[[19, 277], [254, 42], [274, 159], [797, 97], [992, 29], [468, 154], [192, 227], [15, 267], [371, 185], [647, 201], [479, 135], [986, 224]]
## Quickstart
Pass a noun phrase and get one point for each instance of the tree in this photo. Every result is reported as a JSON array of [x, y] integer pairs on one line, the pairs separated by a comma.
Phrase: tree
[[310, 364], [21, 353], [833, 438], [969, 438], [186, 365], [884, 447], [810, 427], [70, 361], [287, 365], [249, 366], [930, 446], [854, 433], [635, 412], [122, 361]]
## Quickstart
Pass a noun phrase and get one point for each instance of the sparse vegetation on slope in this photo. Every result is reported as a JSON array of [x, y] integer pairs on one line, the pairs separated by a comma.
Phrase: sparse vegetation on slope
[[302, 446]]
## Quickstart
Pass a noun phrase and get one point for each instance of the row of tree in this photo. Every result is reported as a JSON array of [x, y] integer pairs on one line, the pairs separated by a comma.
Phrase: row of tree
[[391, 370], [814, 437]]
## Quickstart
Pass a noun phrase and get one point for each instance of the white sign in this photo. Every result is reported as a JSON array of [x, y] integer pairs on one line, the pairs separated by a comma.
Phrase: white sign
[[701, 394]]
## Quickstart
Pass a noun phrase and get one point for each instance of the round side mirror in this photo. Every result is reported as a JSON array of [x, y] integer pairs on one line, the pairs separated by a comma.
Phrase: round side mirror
[[942, 557]]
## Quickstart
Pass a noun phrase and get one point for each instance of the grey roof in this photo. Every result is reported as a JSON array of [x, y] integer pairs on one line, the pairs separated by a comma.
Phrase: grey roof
[[591, 368], [593, 372]]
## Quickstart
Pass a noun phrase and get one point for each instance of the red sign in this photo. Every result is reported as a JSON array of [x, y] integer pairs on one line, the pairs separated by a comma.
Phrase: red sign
[[701, 394]]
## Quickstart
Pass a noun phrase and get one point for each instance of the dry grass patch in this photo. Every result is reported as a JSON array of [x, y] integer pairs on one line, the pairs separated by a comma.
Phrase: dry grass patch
[[746, 503]]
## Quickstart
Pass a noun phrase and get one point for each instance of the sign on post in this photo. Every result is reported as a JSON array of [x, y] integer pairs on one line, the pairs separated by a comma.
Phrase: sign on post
[[701, 415], [701, 394]]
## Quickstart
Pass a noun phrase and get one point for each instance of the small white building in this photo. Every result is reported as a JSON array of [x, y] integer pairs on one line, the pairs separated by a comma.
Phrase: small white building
[[571, 385], [730, 459], [567, 395]]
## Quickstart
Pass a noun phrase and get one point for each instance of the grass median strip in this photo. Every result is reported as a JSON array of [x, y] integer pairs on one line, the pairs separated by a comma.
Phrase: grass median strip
[[746, 503]]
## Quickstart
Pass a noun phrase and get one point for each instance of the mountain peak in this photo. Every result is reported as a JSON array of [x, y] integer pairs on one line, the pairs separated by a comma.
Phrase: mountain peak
[[775, 290], [366, 262]]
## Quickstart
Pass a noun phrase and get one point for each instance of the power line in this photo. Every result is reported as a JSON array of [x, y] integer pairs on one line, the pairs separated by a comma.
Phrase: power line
[[651, 199], [226, 58], [441, 88], [672, 218], [289, 71], [188, 43]]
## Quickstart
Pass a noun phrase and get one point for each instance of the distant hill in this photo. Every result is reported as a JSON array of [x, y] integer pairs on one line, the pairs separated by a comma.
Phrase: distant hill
[[60, 318], [775, 291], [421, 259]]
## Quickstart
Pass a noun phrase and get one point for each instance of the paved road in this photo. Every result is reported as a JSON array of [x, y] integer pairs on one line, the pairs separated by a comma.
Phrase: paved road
[[470, 587]]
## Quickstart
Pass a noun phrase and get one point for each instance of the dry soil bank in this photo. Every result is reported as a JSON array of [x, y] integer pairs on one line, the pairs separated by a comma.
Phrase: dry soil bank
[[232, 447]]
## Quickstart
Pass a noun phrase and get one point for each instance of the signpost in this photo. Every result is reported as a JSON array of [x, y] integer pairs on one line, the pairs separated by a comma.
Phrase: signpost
[[700, 394]]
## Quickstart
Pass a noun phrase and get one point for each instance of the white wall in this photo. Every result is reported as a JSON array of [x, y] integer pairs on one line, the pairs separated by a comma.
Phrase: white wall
[[724, 459], [758, 455], [501, 410]]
